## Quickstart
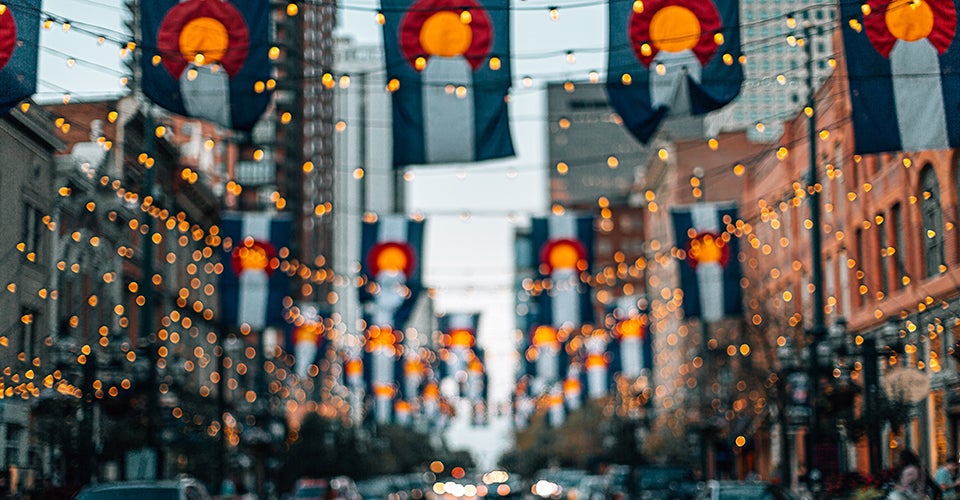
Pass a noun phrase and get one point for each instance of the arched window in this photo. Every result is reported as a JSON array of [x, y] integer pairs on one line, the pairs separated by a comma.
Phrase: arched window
[[932, 215]]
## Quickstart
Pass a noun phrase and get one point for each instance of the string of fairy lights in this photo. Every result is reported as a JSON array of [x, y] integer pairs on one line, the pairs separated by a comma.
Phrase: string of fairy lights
[[665, 305]]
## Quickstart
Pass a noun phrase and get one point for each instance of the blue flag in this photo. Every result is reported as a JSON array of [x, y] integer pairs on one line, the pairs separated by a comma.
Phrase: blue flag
[[207, 59], [252, 286], [563, 251], [448, 66], [904, 75], [672, 57], [19, 41], [391, 252], [709, 269]]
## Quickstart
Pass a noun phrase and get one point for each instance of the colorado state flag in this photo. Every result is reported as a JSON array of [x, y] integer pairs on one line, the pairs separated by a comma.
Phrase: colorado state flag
[[207, 59], [563, 247], [448, 66], [903, 65], [672, 57], [19, 43], [252, 286], [390, 262], [709, 269]]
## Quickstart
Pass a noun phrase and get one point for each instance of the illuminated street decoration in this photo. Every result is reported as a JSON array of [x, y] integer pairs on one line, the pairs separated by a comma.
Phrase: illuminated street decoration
[[448, 64], [671, 58], [390, 264], [709, 269], [207, 59], [596, 364], [252, 287], [19, 44], [563, 249], [390, 254], [476, 386], [307, 338], [381, 353], [901, 62], [457, 341], [632, 348]]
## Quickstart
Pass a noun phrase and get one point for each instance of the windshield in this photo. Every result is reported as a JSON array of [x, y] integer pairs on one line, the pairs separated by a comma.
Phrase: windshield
[[311, 492], [747, 492], [127, 493], [661, 478]]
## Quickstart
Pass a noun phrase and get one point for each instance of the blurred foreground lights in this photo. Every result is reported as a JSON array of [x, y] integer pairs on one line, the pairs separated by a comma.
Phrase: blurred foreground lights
[[545, 489]]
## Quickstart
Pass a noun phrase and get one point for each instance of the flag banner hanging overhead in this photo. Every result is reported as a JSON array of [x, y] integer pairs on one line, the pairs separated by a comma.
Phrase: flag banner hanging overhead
[[252, 287], [563, 246], [381, 365], [631, 348], [19, 44], [307, 338], [672, 57], [391, 249], [709, 268], [448, 66], [207, 59], [596, 363], [902, 65], [458, 337]]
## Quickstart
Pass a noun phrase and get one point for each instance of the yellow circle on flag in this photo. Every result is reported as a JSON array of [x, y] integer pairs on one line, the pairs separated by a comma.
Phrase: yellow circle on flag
[[392, 258], [253, 257], [706, 249], [909, 20], [674, 28], [444, 34], [205, 36], [563, 256]]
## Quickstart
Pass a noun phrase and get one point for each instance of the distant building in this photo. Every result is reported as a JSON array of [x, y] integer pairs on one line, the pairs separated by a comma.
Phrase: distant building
[[764, 99]]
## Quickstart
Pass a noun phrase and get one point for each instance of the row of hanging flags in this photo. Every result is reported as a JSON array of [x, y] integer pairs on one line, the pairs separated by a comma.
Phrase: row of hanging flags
[[567, 358], [210, 59]]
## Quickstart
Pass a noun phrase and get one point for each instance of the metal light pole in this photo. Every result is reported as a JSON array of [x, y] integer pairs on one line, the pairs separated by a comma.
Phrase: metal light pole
[[817, 329], [147, 334]]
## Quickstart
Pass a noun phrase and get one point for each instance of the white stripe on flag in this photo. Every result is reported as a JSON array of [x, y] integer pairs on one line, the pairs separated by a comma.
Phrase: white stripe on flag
[[709, 274], [382, 367], [565, 295], [305, 353], [670, 89], [548, 365], [392, 283], [206, 93], [384, 405], [631, 356], [917, 94], [448, 120], [254, 292], [563, 226], [597, 379]]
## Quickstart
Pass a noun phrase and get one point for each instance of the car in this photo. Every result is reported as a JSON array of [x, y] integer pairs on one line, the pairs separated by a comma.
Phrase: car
[[311, 489], [661, 482], [172, 489], [743, 490], [338, 488]]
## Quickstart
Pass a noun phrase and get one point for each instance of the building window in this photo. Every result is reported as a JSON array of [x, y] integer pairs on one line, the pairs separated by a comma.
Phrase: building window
[[11, 454], [882, 244], [861, 288], [899, 246], [29, 319], [33, 231], [932, 215]]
